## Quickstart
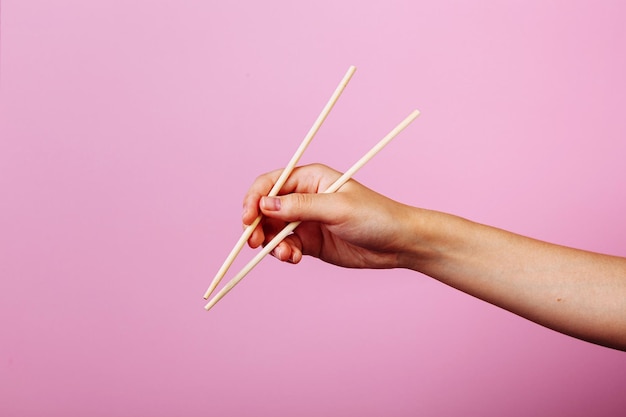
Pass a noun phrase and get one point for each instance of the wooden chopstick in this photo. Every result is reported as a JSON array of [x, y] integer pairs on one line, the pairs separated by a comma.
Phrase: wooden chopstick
[[292, 226], [281, 180]]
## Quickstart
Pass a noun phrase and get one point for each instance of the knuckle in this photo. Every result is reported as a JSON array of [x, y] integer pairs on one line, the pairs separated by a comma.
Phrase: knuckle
[[301, 200], [263, 180], [299, 203], [320, 168]]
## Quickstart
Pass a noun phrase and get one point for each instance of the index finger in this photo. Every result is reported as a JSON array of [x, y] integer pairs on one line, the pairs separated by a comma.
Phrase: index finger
[[261, 186]]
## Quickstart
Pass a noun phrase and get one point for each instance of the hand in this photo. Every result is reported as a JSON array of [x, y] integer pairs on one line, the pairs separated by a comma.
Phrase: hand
[[575, 292], [354, 227]]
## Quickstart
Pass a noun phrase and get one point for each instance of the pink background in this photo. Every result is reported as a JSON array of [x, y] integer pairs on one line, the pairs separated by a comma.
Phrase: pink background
[[131, 129]]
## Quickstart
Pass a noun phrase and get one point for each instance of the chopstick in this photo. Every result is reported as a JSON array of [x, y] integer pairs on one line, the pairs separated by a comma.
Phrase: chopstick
[[292, 226], [281, 180]]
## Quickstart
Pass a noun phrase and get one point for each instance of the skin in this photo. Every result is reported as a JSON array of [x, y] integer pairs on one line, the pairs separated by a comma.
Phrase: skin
[[575, 292]]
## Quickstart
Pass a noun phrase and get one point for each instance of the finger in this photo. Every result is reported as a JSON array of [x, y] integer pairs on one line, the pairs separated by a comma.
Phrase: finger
[[257, 237], [307, 179], [289, 250], [265, 232], [323, 208], [293, 245], [282, 252], [313, 178], [260, 187]]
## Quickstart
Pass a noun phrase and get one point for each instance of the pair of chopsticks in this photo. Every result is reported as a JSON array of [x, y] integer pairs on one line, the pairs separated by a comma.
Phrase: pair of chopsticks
[[279, 184]]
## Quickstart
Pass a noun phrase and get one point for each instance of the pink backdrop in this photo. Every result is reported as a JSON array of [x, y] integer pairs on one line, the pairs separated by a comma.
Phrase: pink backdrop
[[131, 129]]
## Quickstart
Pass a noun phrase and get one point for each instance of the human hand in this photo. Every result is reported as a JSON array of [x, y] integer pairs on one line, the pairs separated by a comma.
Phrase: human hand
[[354, 227]]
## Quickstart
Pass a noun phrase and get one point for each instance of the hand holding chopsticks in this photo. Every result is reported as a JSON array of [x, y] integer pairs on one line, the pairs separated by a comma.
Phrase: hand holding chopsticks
[[292, 226], [276, 189], [281, 180]]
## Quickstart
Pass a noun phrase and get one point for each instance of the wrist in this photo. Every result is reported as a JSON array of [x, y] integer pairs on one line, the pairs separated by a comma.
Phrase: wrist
[[430, 237]]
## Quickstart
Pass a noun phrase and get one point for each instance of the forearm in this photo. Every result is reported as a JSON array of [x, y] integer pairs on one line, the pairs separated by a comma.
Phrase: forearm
[[575, 292]]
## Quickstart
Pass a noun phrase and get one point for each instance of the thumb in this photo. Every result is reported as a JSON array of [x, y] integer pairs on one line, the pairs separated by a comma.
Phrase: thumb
[[324, 208]]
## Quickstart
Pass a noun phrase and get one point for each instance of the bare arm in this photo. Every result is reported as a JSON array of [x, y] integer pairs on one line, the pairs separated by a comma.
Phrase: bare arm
[[575, 292]]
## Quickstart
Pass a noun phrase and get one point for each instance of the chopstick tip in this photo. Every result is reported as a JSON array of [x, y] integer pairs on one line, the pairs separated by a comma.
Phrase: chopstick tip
[[209, 305]]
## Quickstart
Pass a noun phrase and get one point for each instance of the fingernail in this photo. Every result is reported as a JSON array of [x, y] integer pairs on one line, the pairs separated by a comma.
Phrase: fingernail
[[295, 257], [270, 203], [277, 252]]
